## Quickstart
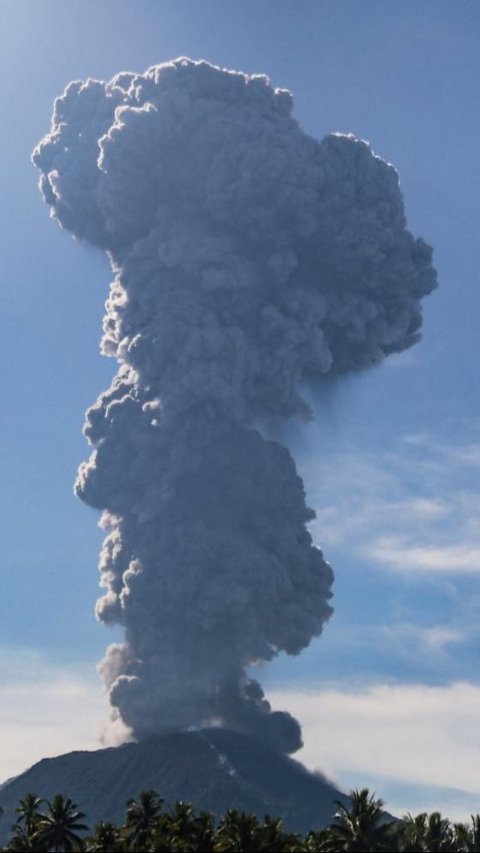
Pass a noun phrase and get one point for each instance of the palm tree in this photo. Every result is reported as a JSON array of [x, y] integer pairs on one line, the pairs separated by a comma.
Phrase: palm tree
[[21, 841], [413, 833], [274, 839], [320, 841], [439, 836], [28, 811], [141, 818], [183, 830], [238, 831], [26, 824], [462, 838], [475, 833], [361, 825], [205, 831], [106, 839], [57, 830]]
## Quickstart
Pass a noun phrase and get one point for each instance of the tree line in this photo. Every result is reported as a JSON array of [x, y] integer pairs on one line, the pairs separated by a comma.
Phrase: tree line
[[149, 825]]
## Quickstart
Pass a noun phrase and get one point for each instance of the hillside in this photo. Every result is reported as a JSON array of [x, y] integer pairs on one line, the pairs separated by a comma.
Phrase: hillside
[[216, 769]]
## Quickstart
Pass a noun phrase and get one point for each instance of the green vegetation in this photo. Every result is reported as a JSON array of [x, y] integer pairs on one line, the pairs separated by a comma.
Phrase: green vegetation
[[151, 826]]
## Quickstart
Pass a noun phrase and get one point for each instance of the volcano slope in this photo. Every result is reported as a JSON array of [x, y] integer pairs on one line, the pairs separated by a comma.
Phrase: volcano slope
[[215, 769]]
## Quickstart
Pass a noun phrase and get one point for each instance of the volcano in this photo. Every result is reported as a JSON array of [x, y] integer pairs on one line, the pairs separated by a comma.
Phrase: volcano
[[215, 769]]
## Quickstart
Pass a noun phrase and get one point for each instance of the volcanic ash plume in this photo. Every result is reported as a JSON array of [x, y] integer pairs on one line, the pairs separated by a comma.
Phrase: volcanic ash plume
[[247, 256]]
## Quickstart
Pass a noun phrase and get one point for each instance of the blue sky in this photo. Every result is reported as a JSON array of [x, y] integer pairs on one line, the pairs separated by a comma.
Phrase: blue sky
[[390, 696]]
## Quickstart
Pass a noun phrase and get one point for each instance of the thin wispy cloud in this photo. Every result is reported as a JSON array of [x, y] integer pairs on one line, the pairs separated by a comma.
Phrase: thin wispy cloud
[[425, 653], [432, 643], [398, 555], [413, 509], [465, 452]]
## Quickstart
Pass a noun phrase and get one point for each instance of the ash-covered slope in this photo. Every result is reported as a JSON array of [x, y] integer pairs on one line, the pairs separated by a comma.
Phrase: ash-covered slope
[[216, 769]]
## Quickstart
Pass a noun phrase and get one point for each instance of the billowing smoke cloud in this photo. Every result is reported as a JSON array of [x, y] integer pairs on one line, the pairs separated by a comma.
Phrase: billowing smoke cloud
[[247, 257]]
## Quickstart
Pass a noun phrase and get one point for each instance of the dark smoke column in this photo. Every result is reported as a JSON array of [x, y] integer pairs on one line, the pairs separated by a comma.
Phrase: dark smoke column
[[247, 256]]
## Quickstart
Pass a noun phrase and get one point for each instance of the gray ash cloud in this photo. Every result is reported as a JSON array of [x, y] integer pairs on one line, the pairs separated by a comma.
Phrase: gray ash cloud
[[247, 256]]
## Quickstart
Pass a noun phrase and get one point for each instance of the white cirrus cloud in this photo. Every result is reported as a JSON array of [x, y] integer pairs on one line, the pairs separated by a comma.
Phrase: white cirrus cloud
[[400, 556], [413, 509], [425, 640]]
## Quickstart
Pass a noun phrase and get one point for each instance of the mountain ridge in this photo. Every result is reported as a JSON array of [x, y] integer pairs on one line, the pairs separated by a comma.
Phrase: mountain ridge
[[215, 769]]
